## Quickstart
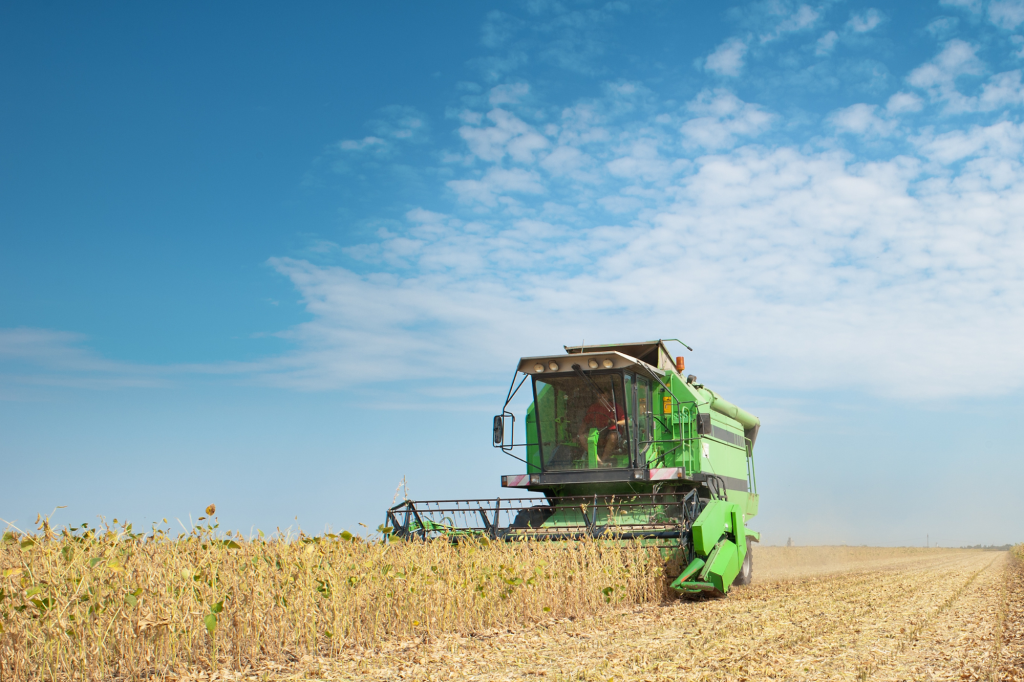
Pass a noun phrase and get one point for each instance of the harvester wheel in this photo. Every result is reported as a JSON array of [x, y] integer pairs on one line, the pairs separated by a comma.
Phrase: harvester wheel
[[531, 518], [746, 573]]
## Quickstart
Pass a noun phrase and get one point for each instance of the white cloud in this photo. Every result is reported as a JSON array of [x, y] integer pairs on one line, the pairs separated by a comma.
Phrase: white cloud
[[973, 6], [355, 145], [1008, 14], [495, 183], [847, 268], [400, 123], [938, 76], [641, 160], [393, 125], [508, 135], [956, 59], [805, 17], [865, 21], [1018, 40], [568, 161], [942, 27], [848, 272], [903, 102], [1000, 141], [33, 359], [826, 43], [860, 119], [727, 59], [511, 93], [498, 29], [721, 119], [1002, 90]]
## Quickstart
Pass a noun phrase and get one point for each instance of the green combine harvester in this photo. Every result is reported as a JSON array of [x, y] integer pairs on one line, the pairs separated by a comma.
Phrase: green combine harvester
[[623, 447]]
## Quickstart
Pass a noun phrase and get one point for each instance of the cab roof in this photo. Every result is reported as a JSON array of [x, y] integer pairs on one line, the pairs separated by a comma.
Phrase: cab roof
[[652, 352]]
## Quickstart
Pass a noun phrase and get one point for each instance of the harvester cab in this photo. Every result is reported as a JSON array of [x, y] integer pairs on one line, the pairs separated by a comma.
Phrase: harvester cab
[[622, 447]]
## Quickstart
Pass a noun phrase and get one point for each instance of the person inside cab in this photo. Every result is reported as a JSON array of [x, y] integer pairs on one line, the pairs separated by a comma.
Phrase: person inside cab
[[609, 418]]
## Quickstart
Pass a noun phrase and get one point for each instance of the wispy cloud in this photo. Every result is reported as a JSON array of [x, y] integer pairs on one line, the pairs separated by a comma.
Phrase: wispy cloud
[[34, 358], [939, 79], [721, 118], [862, 22], [826, 43], [763, 232], [861, 119], [1008, 14], [727, 59], [850, 271]]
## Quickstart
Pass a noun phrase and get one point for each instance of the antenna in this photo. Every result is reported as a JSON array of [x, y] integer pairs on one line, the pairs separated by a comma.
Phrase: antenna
[[681, 343]]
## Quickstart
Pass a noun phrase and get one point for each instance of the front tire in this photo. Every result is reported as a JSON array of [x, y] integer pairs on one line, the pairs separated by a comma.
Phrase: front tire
[[746, 574]]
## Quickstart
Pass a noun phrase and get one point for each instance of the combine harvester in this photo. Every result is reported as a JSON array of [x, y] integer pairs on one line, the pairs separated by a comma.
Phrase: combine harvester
[[623, 448]]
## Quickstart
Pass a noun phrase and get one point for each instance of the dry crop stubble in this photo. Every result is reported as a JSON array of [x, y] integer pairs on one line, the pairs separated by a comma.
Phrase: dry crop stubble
[[112, 603], [890, 622]]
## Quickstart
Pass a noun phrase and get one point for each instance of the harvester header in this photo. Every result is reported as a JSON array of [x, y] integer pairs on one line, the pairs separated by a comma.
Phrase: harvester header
[[623, 447]]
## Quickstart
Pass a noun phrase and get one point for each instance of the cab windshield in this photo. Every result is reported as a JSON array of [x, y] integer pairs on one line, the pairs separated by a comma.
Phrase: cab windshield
[[582, 422]]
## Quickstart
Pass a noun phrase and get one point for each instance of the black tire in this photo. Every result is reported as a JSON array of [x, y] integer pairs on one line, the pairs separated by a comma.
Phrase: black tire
[[531, 518], [746, 573]]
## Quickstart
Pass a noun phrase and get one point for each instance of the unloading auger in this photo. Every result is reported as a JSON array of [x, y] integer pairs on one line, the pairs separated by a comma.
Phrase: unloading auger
[[623, 448]]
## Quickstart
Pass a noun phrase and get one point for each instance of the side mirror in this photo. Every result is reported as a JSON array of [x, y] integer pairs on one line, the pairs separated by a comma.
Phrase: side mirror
[[499, 429]]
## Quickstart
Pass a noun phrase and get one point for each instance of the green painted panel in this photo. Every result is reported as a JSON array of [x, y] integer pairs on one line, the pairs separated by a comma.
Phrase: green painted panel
[[752, 505], [709, 526], [695, 566], [723, 568]]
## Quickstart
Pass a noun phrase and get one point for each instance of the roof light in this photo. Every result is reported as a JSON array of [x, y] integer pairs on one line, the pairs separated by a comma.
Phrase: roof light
[[539, 367], [553, 366], [592, 363], [608, 364], [680, 363]]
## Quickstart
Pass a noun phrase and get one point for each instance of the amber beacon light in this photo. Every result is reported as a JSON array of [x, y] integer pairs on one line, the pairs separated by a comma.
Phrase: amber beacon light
[[680, 363]]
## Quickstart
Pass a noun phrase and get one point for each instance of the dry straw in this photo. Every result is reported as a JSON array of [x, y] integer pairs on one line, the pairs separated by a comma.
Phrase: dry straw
[[87, 604]]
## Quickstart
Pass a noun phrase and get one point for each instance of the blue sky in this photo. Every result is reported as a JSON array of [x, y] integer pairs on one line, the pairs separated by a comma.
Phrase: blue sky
[[278, 259]]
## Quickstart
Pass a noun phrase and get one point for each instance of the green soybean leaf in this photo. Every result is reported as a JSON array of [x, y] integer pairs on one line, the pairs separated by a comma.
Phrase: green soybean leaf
[[93, 562], [218, 607], [26, 543], [211, 623], [345, 535], [231, 544], [131, 600]]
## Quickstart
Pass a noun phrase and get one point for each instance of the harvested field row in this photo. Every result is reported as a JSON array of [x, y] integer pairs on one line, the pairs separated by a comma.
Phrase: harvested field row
[[111, 608], [923, 614]]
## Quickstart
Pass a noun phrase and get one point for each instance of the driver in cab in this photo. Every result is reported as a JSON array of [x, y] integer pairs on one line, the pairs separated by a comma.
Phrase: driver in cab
[[606, 416]]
